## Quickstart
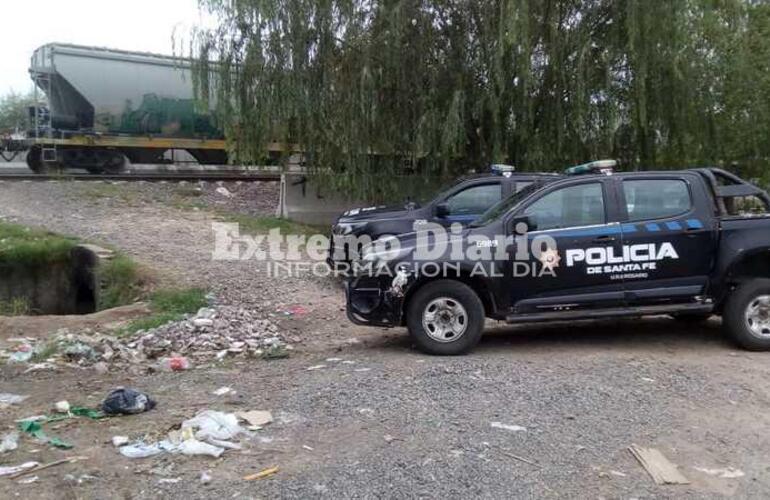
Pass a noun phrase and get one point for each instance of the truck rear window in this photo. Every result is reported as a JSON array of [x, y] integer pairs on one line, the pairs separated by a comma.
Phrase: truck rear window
[[656, 198]]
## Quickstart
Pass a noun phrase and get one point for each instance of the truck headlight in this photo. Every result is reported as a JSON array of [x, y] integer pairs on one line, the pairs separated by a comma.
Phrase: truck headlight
[[345, 228]]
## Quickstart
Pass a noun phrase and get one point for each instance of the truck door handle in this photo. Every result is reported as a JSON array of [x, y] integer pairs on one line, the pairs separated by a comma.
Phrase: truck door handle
[[604, 239]]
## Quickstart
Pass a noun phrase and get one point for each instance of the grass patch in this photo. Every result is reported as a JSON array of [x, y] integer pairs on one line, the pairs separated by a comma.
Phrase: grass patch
[[98, 191], [121, 282], [250, 224], [44, 351], [20, 245], [168, 306], [17, 306]]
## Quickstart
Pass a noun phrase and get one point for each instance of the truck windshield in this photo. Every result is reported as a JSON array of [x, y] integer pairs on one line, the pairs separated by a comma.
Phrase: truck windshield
[[505, 205]]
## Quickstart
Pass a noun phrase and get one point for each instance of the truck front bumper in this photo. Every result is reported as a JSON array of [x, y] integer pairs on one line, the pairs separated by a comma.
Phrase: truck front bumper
[[374, 302]]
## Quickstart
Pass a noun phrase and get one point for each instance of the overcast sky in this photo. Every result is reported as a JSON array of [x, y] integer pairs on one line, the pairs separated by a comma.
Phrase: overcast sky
[[143, 25]]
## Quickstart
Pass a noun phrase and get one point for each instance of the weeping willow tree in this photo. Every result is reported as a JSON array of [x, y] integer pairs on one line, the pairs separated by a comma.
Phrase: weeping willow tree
[[370, 90]]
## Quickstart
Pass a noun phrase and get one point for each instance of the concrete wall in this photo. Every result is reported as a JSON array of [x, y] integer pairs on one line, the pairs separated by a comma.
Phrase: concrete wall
[[304, 201]]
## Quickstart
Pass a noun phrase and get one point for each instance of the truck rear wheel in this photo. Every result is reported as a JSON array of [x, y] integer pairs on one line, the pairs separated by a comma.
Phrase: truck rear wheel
[[445, 317], [747, 315]]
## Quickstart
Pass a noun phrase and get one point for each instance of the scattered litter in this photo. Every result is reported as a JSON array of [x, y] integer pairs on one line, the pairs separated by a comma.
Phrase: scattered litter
[[169, 480], [516, 457], [361, 370], [33, 418], [213, 333], [205, 477], [315, 367], [388, 438], [79, 411], [39, 367], [123, 401], [119, 441], [29, 480], [9, 442], [275, 351], [141, 450], [35, 429], [37, 467], [175, 364], [61, 407], [22, 354], [203, 322], [12, 470], [295, 311], [214, 427], [261, 474], [195, 447], [255, 418], [223, 191], [308, 448], [77, 351], [657, 465], [11, 399], [507, 427], [648, 379], [728, 473], [205, 434], [222, 391], [617, 473]]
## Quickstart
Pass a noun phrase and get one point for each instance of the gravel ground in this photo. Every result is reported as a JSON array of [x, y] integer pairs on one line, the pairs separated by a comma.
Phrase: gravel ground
[[374, 418]]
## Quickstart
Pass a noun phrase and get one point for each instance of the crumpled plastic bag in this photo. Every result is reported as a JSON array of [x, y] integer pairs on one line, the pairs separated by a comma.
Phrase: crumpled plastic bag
[[205, 434], [124, 401], [9, 442], [215, 425]]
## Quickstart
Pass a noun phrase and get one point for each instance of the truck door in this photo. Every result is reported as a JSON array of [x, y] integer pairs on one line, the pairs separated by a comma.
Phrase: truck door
[[579, 219], [668, 239]]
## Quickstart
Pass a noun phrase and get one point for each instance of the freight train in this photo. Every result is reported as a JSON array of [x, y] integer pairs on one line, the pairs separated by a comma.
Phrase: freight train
[[107, 106]]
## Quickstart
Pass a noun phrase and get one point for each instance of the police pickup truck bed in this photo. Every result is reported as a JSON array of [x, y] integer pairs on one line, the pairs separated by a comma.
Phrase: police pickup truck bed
[[687, 243]]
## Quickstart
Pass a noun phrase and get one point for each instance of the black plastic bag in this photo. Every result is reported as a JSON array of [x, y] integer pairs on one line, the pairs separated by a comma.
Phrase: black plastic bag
[[125, 401]]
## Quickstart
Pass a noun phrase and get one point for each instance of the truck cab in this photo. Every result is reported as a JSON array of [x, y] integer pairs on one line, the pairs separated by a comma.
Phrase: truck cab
[[463, 202], [593, 244]]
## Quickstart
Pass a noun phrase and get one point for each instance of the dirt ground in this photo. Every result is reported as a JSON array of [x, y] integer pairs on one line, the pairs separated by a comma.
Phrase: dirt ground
[[379, 419]]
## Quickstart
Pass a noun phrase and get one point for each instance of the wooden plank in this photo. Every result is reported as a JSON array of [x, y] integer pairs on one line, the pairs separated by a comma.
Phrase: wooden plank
[[657, 465]]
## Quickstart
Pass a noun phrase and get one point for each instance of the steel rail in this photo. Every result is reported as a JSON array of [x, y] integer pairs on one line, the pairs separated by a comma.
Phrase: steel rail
[[147, 176]]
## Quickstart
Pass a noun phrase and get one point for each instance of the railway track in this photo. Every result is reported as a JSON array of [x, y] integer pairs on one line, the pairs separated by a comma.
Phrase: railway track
[[244, 176]]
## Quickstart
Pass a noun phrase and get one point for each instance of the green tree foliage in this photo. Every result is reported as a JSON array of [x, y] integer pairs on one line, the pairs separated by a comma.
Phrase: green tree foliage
[[375, 88], [14, 111]]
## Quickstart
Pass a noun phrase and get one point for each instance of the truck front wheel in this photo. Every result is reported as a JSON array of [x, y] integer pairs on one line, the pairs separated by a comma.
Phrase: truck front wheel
[[747, 315], [445, 317]]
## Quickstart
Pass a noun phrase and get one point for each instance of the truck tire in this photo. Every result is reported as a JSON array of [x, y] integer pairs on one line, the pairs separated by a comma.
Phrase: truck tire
[[747, 315], [445, 318]]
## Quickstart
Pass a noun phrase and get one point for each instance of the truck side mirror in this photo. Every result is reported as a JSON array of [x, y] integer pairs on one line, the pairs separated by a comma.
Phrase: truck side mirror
[[514, 223], [441, 210]]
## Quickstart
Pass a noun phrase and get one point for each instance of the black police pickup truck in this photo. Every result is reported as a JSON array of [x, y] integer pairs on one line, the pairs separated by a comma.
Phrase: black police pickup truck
[[465, 201], [690, 244]]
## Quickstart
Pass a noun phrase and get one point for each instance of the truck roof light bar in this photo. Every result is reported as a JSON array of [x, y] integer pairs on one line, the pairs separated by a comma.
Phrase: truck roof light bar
[[501, 169], [606, 167]]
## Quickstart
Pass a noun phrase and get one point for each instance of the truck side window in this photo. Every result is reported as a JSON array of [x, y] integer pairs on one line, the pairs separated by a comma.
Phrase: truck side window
[[656, 198], [474, 200], [581, 205]]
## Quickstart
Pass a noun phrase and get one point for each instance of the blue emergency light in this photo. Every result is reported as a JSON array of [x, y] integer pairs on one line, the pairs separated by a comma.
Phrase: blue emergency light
[[606, 167], [501, 169]]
